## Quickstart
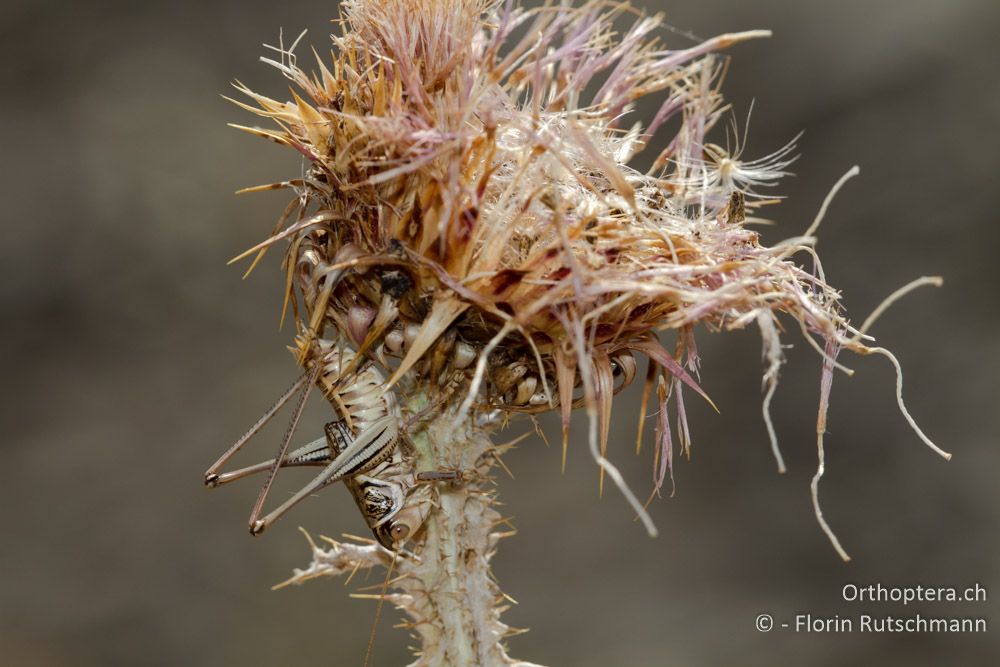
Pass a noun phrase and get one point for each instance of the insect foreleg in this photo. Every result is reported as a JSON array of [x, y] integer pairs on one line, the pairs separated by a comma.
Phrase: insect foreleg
[[440, 476]]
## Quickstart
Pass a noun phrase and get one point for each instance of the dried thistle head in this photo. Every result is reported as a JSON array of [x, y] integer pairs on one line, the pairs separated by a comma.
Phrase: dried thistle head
[[467, 199]]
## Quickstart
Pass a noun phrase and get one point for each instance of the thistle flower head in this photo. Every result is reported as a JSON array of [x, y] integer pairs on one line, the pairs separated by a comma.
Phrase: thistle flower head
[[468, 205]]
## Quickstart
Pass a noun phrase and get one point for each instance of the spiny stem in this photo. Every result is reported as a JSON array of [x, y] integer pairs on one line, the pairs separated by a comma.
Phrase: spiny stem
[[443, 580], [454, 599]]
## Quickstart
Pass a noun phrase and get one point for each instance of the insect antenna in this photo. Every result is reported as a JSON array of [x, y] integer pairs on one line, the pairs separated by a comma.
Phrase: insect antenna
[[378, 609]]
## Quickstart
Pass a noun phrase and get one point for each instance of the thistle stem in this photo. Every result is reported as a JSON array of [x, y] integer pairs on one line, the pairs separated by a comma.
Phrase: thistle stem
[[442, 580], [454, 601]]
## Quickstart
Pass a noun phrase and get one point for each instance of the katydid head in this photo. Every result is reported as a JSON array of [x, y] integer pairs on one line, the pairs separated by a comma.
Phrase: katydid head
[[394, 533]]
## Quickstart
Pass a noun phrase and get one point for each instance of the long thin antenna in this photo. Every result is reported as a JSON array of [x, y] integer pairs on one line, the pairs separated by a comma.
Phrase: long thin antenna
[[378, 609]]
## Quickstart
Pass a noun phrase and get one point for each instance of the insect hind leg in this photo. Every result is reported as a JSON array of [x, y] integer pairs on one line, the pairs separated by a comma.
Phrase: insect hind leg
[[212, 474], [338, 436], [361, 454], [283, 449], [316, 453]]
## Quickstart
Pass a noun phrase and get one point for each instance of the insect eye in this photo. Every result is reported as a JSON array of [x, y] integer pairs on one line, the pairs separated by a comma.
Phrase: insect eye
[[399, 531]]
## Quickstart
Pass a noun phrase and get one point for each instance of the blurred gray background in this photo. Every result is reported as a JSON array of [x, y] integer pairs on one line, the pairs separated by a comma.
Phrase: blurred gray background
[[132, 356]]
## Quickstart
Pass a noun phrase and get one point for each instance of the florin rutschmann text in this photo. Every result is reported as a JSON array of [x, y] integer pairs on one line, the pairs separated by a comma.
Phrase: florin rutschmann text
[[916, 623]]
